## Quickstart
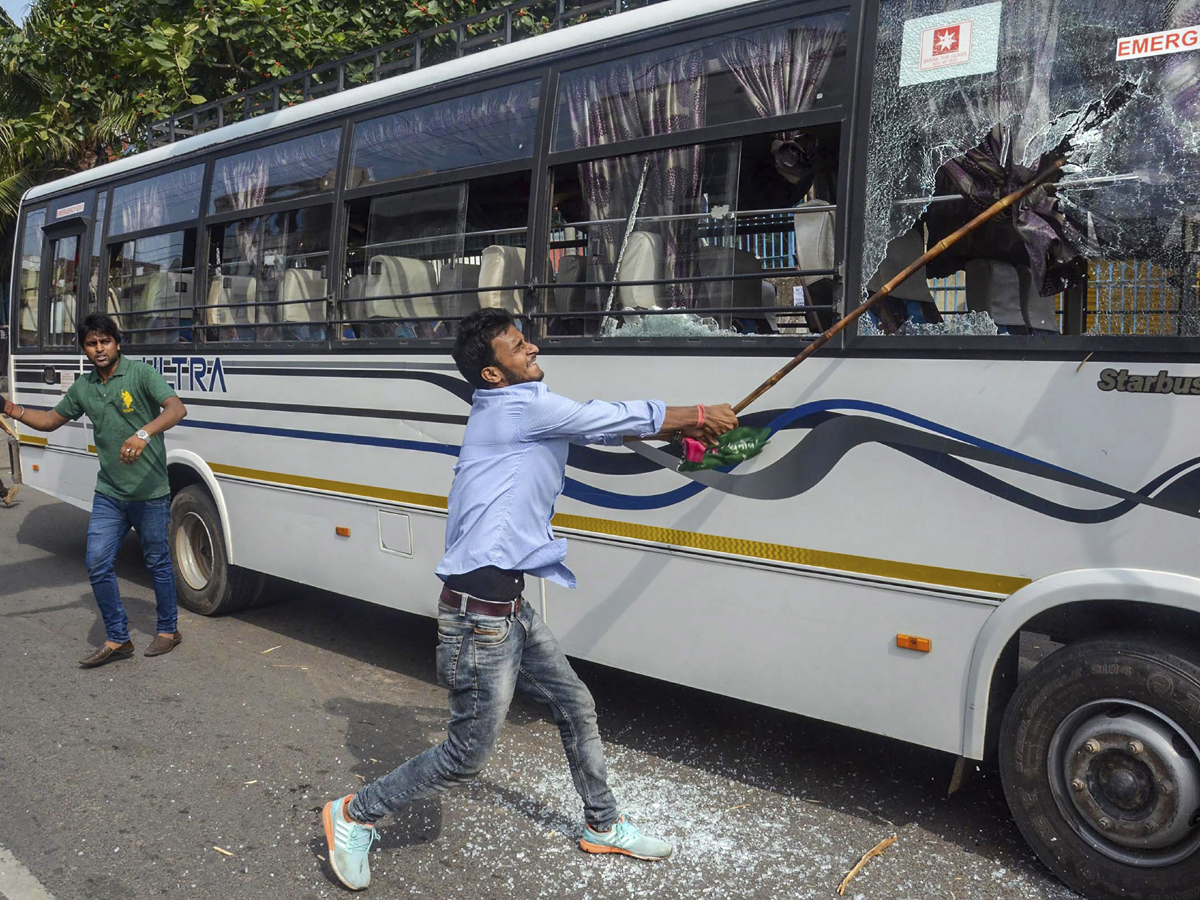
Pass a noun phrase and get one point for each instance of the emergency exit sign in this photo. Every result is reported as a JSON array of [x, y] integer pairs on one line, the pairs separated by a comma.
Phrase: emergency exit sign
[[1158, 43]]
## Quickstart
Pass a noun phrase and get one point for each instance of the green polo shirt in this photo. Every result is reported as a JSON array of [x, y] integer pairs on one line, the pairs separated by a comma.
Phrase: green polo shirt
[[132, 398]]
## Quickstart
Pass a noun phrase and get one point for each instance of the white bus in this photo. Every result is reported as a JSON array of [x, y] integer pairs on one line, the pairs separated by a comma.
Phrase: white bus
[[674, 199]]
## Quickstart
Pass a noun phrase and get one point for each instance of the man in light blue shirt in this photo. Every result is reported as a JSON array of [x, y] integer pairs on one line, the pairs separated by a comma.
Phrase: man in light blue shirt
[[490, 642]]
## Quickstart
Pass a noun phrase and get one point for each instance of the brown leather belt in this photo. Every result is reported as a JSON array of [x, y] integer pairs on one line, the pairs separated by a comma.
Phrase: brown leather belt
[[481, 607]]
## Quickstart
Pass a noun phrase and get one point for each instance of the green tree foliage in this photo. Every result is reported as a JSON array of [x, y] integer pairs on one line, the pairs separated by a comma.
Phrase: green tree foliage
[[79, 79]]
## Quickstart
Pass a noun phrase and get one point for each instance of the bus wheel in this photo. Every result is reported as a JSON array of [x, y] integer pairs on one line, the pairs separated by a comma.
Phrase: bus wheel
[[1100, 761], [204, 580]]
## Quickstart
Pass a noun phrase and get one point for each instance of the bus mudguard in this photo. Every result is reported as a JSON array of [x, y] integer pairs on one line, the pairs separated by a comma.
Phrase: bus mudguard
[[200, 467], [1134, 586]]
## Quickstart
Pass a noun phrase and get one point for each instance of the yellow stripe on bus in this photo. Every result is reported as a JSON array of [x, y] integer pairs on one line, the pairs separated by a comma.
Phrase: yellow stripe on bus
[[433, 501], [824, 559], [36, 441]]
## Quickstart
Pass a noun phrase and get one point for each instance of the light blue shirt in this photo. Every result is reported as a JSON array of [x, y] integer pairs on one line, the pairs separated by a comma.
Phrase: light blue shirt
[[510, 471]]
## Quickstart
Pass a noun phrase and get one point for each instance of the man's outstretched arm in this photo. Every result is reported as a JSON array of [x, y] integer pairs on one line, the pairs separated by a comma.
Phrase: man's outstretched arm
[[42, 420], [601, 422]]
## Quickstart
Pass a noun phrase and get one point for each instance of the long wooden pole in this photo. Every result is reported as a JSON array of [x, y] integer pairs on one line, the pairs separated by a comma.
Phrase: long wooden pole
[[932, 253]]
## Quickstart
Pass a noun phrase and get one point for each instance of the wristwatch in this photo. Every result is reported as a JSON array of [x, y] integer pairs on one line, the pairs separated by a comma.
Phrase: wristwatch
[[143, 434]]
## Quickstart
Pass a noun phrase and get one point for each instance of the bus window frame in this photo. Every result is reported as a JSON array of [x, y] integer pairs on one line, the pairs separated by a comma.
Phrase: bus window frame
[[519, 75], [330, 197], [835, 114], [14, 330], [79, 227], [1048, 347]]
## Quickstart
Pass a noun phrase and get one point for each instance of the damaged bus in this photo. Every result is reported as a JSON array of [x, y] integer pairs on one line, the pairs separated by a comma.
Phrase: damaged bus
[[674, 199]]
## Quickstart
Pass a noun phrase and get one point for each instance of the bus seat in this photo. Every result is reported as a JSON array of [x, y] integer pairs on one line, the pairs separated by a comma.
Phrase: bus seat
[[901, 251], [388, 276], [302, 284], [157, 304], [1041, 313], [571, 298], [229, 289], [720, 262], [994, 287], [464, 277], [642, 262], [815, 250], [352, 305], [500, 265]]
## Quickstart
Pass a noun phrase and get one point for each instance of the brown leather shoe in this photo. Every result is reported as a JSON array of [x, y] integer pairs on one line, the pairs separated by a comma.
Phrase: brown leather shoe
[[106, 654], [161, 645]]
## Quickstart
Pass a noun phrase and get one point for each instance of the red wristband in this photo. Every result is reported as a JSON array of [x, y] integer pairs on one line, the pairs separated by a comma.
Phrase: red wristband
[[699, 414]]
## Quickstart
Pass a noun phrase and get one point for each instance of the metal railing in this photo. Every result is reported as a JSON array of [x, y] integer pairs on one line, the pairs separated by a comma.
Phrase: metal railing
[[495, 27]]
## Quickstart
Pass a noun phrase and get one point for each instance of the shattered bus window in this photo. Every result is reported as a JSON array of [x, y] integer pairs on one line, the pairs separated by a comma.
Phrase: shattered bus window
[[971, 101]]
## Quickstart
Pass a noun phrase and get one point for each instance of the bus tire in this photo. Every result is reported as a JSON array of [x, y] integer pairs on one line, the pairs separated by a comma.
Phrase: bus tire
[[1100, 762], [204, 580]]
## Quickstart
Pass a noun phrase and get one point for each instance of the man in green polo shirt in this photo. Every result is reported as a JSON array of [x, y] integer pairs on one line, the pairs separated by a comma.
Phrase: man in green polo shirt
[[130, 406]]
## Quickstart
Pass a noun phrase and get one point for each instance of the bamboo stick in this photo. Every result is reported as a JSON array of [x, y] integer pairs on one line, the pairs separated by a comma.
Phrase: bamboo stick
[[932, 253]]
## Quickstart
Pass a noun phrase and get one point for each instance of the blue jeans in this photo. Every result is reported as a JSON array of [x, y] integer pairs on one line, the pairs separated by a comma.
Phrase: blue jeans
[[483, 660], [110, 522]]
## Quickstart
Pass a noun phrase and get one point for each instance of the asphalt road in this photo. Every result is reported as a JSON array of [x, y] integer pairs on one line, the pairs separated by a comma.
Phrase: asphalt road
[[123, 781]]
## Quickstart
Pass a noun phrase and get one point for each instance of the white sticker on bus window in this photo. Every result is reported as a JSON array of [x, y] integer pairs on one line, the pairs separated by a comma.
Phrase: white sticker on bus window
[[69, 210], [1158, 43], [798, 295], [951, 44]]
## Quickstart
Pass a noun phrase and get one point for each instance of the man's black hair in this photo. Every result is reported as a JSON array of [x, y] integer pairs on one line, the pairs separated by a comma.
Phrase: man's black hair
[[473, 347], [100, 324]]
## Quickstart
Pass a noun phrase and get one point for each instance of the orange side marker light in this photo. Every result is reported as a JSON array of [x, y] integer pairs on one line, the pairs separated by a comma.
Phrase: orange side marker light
[[910, 642], [342, 531], [36, 467]]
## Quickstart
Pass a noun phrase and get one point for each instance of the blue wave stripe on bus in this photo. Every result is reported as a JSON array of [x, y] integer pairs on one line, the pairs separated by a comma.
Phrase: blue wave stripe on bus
[[394, 443], [819, 406], [585, 493]]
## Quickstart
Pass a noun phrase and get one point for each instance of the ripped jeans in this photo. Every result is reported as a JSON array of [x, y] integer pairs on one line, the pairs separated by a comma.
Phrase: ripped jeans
[[483, 660]]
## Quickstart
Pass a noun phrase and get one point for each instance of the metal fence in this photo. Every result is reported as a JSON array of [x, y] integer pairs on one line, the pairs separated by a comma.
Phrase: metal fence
[[1124, 297], [491, 28]]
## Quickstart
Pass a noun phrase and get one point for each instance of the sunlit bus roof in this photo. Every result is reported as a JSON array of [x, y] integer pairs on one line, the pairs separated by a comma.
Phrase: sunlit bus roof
[[494, 59]]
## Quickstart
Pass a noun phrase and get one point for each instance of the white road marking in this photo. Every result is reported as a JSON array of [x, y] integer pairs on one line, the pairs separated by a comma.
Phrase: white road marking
[[17, 882]]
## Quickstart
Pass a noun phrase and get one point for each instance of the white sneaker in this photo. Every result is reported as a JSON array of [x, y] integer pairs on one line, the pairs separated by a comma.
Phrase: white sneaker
[[349, 844]]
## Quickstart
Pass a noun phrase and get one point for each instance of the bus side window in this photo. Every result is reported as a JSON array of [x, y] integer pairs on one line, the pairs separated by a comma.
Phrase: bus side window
[[268, 277], [418, 261], [30, 279], [700, 228], [714, 231], [150, 286], [1108, 249]]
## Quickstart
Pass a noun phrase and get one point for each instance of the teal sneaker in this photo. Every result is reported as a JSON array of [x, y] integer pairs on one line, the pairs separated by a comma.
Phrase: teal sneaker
[[624, 837], [349, 843]]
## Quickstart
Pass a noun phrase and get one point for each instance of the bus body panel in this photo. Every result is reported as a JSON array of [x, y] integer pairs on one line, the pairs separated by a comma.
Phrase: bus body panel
[[691, 588]]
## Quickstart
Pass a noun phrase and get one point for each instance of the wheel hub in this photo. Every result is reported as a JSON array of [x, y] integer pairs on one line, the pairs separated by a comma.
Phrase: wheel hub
[[1128, 780], [194, 551]]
